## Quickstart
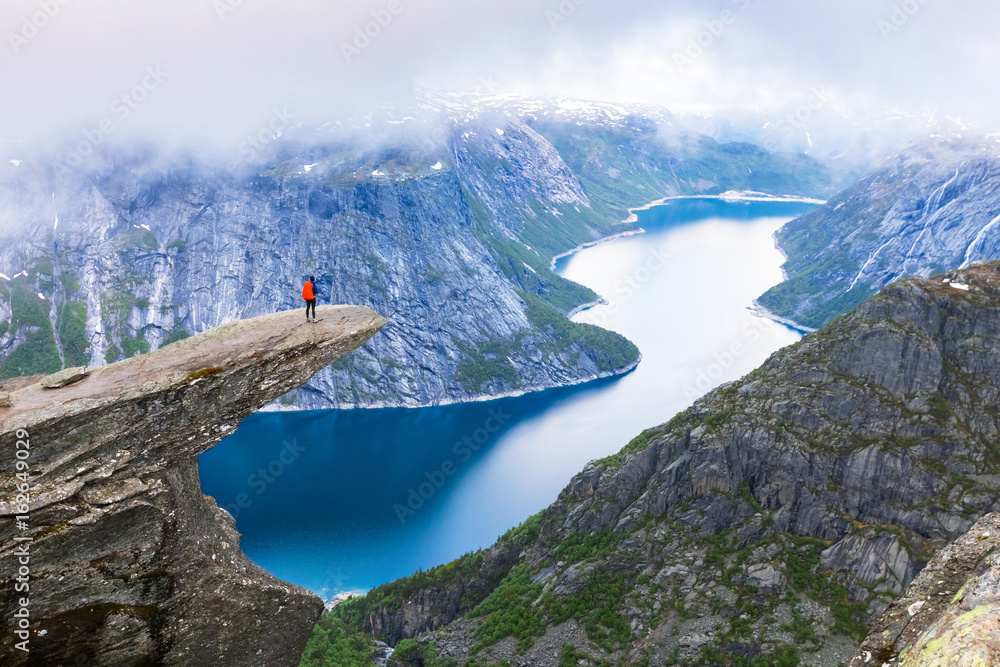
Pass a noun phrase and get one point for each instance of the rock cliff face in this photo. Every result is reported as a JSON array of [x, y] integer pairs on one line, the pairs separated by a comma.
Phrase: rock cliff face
[[777, 517], [950, 615], [129, 563], [448, 228], [934, 205]]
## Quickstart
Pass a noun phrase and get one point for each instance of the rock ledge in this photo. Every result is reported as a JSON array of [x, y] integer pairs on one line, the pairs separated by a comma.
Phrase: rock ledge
[[130, 563]]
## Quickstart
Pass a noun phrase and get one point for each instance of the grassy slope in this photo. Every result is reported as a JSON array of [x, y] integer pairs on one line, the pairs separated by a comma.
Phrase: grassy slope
[[29, 317], [40, 351]]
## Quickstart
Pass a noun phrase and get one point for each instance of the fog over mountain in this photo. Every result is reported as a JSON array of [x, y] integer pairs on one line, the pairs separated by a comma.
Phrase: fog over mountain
[[207, 72]]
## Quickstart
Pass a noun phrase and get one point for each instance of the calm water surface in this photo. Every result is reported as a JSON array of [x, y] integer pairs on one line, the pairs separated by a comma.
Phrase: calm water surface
[[327, 496]]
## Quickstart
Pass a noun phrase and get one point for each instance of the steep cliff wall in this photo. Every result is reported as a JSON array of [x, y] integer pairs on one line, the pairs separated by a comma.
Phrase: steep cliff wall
[[931, 206], [129, 563], [451, 236]]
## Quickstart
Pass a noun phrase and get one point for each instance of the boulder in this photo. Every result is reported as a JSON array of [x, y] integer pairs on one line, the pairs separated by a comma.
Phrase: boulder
[[65, 377], [766, 579]]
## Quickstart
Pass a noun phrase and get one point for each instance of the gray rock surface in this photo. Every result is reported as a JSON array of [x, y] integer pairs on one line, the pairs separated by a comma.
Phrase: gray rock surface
[[129, 563], [949, 615], [65, 377]]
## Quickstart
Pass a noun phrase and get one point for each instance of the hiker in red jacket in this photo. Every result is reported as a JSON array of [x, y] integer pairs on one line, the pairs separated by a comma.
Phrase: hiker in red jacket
[[309, 294]]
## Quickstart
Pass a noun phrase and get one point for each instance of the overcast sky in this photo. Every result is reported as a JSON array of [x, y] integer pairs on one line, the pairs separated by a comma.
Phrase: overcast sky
[[217, 68]]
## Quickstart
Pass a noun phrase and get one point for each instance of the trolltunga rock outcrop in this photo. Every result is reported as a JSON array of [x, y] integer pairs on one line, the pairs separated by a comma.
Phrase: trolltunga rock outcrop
[[130, 564]]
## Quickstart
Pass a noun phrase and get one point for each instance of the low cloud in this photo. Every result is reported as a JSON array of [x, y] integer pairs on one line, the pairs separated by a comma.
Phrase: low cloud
[[230, 64]]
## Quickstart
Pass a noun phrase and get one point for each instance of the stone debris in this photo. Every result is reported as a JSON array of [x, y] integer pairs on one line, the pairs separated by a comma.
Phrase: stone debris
[[65, 377]]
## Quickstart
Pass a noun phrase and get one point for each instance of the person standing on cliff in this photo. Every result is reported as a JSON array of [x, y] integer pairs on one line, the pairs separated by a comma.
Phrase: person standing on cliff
[[309, 294]]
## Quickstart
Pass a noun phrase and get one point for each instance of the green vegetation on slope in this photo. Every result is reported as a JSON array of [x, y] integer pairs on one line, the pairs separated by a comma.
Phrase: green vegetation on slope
[[133, 346], [391, 595], [611, 351], [335, 644], [514, 259], [73, 334], [175, 336], [409, 651], [507, 611], [29, 315], [488, 363], [818, 262], [487, 366]]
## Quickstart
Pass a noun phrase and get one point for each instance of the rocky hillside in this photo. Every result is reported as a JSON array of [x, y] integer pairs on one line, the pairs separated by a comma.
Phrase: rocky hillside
[[127, 562], [932, 206], [448, 225], [769, 524], [950, 615]]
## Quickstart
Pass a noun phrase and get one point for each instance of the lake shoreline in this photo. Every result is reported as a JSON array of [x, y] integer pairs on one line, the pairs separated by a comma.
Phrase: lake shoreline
[[729, 196], [416, 488], [486, 398], [763, 312], [591, 244], [756, 308]]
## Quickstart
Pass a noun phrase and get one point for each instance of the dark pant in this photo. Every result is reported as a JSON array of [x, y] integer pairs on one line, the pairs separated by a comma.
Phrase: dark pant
[[311, 303]]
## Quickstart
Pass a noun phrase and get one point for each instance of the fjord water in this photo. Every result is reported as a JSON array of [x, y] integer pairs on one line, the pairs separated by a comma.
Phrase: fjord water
[[345, 500]]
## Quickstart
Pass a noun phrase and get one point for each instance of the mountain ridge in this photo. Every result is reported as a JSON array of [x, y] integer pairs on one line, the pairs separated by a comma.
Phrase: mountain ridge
[[462, 217], [929, 206], [772, 521]]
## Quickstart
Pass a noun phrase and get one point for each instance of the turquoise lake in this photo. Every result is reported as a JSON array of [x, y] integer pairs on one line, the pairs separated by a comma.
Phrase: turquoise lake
[[338, 515]]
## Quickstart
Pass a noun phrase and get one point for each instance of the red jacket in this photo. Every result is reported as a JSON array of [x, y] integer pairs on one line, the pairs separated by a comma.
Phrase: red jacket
[[307, 291]]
